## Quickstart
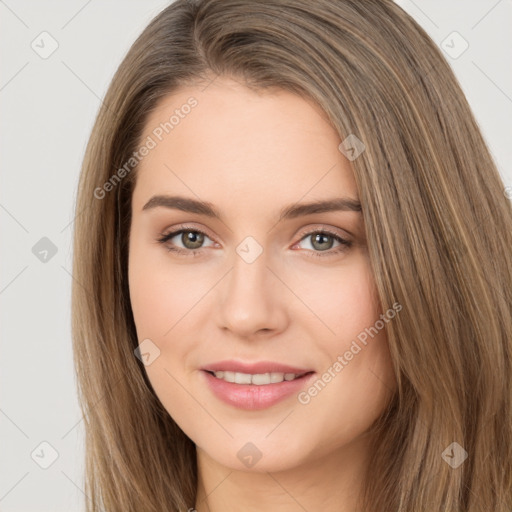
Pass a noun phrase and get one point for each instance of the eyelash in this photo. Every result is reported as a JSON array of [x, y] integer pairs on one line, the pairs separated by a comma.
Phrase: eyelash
[[344, 244]]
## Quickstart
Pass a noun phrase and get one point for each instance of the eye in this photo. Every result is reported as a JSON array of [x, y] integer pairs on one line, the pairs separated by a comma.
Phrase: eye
[[191, 239], [322, 242]]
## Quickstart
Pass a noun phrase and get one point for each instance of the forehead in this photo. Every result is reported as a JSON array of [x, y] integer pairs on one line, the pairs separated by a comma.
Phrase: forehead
[[229, 144]]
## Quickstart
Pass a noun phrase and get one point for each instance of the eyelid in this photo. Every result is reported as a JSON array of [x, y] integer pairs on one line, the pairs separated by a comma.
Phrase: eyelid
[[327, 229], [301, 233], [186, 227]]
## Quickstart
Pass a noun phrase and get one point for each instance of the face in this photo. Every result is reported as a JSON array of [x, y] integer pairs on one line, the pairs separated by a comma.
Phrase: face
[[277, 298]]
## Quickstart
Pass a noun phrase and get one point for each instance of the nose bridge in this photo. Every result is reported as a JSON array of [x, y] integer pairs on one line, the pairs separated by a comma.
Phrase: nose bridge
[[250, 299], [249, 277]]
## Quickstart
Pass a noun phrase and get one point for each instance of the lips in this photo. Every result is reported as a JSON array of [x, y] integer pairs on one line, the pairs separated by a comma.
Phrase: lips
[[253, 396], [254, 368]]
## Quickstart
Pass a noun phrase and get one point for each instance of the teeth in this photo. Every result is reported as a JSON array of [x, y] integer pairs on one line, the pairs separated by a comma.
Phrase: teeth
[[259, 379]]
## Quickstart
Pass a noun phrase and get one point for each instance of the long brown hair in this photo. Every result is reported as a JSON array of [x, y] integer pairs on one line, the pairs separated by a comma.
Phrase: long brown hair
[[439, 236]]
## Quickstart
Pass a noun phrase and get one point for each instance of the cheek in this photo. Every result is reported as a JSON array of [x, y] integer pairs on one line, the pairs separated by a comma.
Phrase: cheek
[[356, 352], [160, 294], [156, 303], [344, 299], [160, 301], [361, 335]]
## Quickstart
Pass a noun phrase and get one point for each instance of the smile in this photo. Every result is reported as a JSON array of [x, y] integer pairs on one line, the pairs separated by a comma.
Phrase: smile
[[255, 391], [258, 379]]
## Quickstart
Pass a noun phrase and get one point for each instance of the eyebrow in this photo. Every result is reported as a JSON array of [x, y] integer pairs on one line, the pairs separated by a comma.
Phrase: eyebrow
[[293, 211]]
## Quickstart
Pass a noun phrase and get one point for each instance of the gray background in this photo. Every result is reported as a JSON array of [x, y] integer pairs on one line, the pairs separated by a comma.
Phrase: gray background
[[48, 106]]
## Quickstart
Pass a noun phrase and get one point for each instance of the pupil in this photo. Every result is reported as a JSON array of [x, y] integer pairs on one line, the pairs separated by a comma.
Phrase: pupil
[[319, 237], [192, 239]]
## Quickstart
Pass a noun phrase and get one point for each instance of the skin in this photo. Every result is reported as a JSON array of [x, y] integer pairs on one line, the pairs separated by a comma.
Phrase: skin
[[250, 155]]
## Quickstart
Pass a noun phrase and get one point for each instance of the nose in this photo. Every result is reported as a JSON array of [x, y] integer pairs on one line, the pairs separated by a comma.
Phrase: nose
[[252, 300]]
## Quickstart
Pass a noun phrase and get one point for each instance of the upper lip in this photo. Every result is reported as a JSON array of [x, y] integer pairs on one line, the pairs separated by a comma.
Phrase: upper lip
[[254, 368]]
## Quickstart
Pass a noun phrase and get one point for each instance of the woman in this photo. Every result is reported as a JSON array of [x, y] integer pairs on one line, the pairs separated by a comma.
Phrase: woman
[[227, 358]]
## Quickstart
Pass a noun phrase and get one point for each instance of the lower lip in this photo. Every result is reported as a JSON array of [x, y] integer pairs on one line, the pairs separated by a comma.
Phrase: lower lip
[[251, 396]]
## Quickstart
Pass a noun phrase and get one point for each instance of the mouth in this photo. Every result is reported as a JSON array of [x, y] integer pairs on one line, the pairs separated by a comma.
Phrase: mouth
[[257, 379], [255, 386]]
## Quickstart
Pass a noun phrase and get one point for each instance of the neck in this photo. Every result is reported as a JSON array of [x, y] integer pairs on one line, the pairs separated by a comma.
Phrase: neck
[[330, 483]]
